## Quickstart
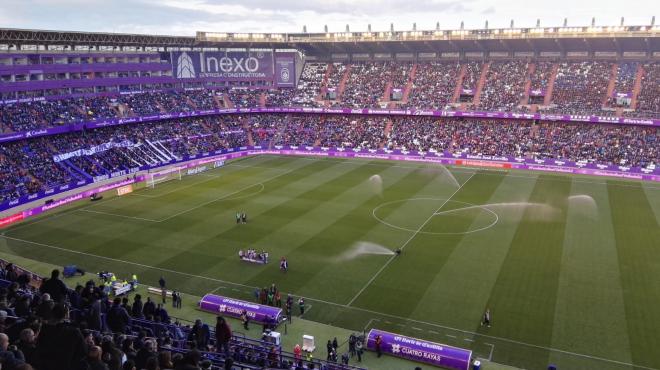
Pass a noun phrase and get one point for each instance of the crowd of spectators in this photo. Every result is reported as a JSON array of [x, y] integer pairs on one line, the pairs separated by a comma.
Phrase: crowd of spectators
[[336, 74], [581, 87], [365, 86], [540, 77], [245, 98], [353, 131], [504, 87], [604, 144], [46, 325], [472, 75], [434, 85], [310, 84], [648, 100], [478, 137], [28, 165]]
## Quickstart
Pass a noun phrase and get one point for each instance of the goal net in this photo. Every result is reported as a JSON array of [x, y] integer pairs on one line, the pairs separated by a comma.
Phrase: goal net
[[162, 176]]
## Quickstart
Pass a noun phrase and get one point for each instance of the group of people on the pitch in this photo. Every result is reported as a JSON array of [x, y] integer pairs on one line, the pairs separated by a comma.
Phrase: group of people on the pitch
[[241, 218], [253, 255]]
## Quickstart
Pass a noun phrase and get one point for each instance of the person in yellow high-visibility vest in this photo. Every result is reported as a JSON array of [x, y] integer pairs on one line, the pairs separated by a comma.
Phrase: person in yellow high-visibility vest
[[134, 281], [113, 279]]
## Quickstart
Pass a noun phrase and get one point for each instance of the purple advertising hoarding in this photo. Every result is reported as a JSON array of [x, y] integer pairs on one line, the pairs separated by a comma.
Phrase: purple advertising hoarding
[[259, 313], [420, 350], [226, 65], [285, 72]]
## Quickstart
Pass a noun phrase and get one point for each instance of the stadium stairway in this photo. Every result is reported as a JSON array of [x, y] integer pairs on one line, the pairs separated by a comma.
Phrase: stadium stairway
[[480, 84], [68, 163], [387, 93], [342, 83], [323, 89], [386, 133], [227, 101], [459, 85], [637, 87], [409, 84], [611, 84], [551, 84], [528, 83], [219, 103]]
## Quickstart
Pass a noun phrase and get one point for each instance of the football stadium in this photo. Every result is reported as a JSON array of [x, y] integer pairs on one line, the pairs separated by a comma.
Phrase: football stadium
[[483, 198]]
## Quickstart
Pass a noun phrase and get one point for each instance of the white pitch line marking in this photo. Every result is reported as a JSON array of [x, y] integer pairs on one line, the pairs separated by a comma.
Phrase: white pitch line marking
[[433, 332], [225, 196], [450, 336], [492, 349], [468, 340], [118, 215], [414, 328], [407, 242]]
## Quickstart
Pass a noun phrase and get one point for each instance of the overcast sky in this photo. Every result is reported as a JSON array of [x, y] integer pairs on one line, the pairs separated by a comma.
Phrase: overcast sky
[[184, 17]]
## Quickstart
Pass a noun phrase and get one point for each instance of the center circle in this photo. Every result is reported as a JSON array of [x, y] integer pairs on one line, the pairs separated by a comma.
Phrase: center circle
[[465, 206]]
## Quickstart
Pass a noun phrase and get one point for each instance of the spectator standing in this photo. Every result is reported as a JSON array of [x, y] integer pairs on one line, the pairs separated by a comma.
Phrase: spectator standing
[[117, 317], [60, 345], [222, 335], [54, 286]]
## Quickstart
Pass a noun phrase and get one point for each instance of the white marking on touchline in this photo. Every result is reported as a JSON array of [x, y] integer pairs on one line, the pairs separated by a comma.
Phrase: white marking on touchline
[[118, 215], [226, 196], [337, 305], [406, 243]]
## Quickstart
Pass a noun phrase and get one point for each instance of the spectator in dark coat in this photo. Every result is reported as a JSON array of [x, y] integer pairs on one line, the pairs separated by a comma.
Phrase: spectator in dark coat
[[117, 317], [60, 346], [93, 360], [8, 358], [149, 308], [222, 335], [27, 345], [54, 286], [147, 351], [136, 310]]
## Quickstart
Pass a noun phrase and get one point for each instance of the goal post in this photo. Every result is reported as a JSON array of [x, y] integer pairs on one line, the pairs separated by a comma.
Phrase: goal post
[[162, 176]]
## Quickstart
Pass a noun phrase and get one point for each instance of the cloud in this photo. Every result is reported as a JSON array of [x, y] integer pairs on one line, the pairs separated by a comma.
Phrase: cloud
[[184, 17]]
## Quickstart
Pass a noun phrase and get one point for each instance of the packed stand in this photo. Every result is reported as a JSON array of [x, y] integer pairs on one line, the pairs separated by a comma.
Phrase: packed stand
[[365, 86], [310, 84], [504, 86], [264, 127], [300, 130], [46, 325], [244, 98], [580, 87], [472, 76], [28, 165], [434, 85], [605, 144], [540, 77], [353, 132], [336, 74], [648, 100], [282, 98], [477, 137]]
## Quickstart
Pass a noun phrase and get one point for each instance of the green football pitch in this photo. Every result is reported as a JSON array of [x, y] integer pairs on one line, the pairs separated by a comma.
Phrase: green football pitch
[[569, 266]]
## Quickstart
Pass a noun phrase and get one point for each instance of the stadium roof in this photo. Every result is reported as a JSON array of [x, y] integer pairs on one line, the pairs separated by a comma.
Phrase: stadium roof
[[562, 39]]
